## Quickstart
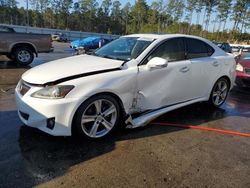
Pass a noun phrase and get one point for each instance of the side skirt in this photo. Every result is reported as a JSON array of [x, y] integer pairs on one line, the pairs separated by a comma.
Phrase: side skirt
[[144, 119]]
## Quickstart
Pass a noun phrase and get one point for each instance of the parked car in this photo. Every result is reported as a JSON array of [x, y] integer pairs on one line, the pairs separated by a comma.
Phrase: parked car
[[246, 48], [143, 74], [21, 47], [89, 43], [243, 71], [61, 37], [224, 46], [235, 49]]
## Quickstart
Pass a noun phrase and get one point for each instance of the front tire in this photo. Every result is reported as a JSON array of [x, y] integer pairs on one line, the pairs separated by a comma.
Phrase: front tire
[[98, 117], [219, 93], [24, 55]]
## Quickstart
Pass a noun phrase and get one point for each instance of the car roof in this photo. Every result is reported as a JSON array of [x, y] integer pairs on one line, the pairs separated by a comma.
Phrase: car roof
[[162, 36]]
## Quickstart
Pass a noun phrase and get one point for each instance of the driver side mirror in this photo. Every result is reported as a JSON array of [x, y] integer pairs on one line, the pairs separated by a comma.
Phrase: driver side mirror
[[157, 63]]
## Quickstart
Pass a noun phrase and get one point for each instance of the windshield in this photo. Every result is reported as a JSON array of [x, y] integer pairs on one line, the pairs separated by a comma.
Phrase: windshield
[[124, 48]]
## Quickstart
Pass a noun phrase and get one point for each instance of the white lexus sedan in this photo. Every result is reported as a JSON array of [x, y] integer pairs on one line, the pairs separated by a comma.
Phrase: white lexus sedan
[[143, 74]]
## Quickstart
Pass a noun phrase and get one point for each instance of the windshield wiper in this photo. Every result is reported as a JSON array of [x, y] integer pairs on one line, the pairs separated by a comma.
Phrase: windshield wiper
[[107, 56], [111, 57]]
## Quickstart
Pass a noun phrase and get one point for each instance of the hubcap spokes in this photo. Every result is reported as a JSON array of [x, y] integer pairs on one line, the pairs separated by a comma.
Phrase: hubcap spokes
[[23, 56], [220, 93], [99, 118]]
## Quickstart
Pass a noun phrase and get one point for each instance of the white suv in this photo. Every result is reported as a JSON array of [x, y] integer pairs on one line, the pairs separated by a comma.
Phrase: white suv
[[145, 74]]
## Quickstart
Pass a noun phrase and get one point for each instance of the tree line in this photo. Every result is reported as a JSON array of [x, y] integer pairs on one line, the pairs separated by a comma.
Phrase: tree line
[[109, 16]]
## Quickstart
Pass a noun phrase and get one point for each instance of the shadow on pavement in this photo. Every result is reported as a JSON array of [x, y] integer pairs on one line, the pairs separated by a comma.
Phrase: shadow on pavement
[[12, 65]]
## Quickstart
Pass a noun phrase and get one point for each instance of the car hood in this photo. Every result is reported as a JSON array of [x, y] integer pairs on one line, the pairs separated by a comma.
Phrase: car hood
[[245, 63], [69, 68]]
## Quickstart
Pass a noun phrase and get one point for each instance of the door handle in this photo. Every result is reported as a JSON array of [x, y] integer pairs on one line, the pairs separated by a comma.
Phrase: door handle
[[216, 63], [184, 69]]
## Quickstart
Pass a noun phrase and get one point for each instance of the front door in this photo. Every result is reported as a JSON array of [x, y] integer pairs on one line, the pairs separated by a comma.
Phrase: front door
[[169, 85]]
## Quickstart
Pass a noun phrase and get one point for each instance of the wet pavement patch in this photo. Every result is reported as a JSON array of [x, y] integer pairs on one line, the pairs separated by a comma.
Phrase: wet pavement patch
[[202, 128]]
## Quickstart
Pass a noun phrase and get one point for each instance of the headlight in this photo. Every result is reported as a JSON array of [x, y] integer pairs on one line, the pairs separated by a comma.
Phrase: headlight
[[239, 67], [53, 92]]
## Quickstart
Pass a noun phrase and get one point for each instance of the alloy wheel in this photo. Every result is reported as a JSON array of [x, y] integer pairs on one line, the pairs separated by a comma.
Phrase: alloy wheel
[[23, 56], [220, 92], [99, 118]]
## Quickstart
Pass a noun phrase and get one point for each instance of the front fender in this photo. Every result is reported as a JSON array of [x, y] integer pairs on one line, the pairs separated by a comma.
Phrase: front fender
[[120, 83]]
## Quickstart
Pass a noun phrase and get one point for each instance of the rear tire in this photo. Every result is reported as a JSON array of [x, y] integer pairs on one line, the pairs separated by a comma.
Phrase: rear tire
[[23, 55], [97, 118], [219, 93]]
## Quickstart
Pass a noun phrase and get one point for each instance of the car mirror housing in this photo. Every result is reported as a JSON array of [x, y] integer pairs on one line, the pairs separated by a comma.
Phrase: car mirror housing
[[157, 63]]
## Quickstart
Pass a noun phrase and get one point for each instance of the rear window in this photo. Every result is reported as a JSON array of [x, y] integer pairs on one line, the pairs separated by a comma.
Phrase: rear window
[[6, 29], [197, 49]]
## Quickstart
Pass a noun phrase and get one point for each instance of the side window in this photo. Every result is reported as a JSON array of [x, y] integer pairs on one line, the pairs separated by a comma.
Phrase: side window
[[210, 50], [197, 48], [3, 29], [6, 29], [172, 50]]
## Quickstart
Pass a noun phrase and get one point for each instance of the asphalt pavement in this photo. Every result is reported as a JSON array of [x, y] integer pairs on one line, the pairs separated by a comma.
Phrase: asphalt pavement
[[153, 156]]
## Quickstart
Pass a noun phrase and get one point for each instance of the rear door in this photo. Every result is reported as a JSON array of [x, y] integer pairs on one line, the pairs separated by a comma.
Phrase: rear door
[[169, 85], [205, 67]]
